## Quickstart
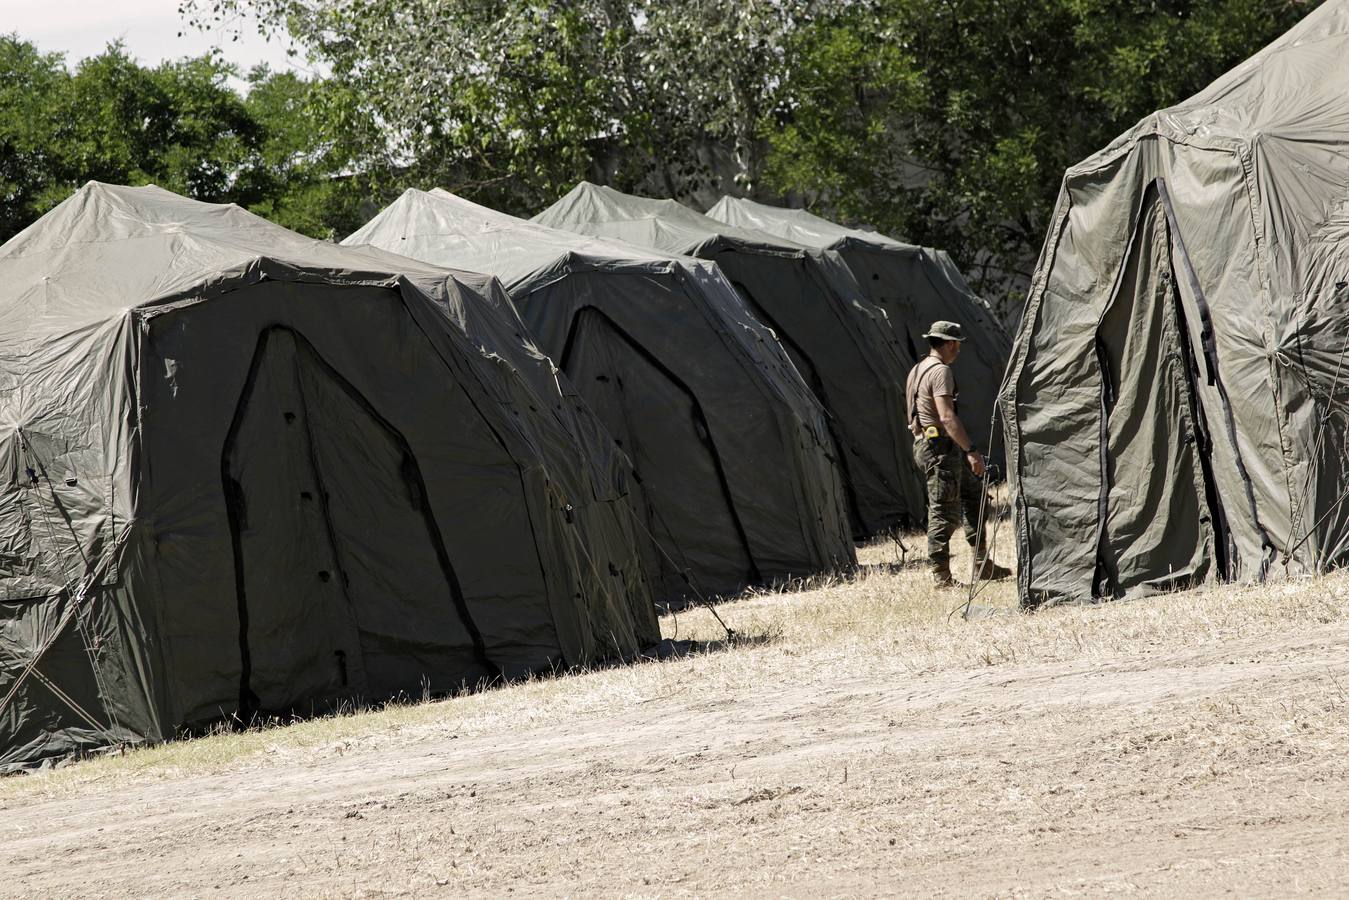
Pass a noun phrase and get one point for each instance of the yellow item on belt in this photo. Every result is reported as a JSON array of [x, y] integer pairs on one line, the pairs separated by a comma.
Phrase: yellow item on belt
[[931, 432]]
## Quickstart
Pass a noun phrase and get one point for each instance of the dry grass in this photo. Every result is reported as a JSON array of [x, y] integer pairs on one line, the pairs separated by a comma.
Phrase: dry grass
[[883, 620], [860, 740]]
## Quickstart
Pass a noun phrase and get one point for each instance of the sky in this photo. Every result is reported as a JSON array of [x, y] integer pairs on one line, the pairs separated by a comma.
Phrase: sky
[[148, 28]]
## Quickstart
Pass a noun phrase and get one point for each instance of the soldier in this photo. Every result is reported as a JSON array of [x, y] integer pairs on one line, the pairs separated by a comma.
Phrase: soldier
[[951, 462]]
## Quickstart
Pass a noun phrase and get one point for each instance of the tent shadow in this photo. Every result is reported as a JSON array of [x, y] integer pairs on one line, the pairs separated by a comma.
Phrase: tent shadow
[[669, 649], [665, 650]]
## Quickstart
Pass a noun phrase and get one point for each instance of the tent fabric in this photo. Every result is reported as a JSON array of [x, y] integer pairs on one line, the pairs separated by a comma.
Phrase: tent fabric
[[1176, 402], [916, 286], [730, 445], [247, 471], [842, 344]]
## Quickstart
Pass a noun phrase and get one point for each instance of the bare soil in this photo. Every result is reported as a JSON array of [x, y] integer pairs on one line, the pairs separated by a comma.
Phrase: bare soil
[[1150, 770]]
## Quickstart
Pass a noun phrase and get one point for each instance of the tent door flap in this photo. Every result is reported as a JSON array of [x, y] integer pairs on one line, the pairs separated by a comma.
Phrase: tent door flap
[[1157, 526]]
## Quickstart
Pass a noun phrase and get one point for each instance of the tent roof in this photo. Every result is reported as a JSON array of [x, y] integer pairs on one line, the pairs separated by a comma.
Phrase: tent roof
[[442, 228], [1292, 90], [108, 249], [664, 224], [1284, 113], [797, 225]]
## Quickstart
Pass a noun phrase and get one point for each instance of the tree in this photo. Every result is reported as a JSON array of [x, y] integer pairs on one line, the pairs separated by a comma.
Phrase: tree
[[950, 122], [497, 98], [27, 126], [308, 172], [288, 149], [513, 101], [946, 122], [178, 125]]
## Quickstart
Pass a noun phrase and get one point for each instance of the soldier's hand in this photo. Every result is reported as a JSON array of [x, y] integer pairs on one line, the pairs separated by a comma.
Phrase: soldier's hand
[[976, 461]]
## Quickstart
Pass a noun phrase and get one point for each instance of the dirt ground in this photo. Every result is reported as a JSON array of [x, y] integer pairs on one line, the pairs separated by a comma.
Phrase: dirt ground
[[1130, 763]]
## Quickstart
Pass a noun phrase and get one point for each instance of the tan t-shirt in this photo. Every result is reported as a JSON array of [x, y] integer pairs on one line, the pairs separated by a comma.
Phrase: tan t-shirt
[[930, 378]]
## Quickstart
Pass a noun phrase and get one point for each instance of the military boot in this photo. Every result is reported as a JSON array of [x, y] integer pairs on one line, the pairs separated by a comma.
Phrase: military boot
[[991, 571], [940, 570]]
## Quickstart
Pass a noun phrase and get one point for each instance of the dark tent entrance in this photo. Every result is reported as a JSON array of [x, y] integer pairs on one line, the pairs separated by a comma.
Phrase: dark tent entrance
[[1166, 531], [373, 530], [310, 470], [253, 472], [657, 419]]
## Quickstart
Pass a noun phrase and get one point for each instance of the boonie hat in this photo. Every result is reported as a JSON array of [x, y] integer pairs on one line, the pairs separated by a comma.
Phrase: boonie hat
[[947, 331]]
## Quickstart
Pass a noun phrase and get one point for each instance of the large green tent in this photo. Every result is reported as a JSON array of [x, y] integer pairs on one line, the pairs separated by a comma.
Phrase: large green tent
[[730, 446], [1176, 405], [245, 471], [916, 286], [842, 344]]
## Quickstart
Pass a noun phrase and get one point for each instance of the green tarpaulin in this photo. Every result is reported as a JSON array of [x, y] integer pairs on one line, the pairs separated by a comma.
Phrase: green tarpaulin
[[841, 343], [243, 471], [731, 449], [1176, 407], [916, 286]]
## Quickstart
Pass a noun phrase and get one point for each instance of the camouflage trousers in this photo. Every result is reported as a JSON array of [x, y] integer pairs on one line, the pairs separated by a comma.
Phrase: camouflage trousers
[[952, 488]]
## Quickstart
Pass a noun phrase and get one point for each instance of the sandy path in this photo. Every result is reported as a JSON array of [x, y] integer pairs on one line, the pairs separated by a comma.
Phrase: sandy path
[[1201, 772]]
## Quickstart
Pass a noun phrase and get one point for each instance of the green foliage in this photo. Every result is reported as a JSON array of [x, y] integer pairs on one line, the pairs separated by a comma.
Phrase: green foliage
[[497, 99], [180, 125], [715, 70], [28, 126], [307, 172], [834, 134], [951, 123], [945, 122], [513, 101]]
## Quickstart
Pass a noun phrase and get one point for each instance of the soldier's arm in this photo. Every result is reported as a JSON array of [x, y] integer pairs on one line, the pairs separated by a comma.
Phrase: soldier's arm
[[955, 429]]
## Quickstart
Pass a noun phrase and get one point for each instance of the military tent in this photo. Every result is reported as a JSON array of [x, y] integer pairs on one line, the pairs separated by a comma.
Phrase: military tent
[[730, 445], [242, 470], [1176, 404], [842, 344], [915, 286]]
